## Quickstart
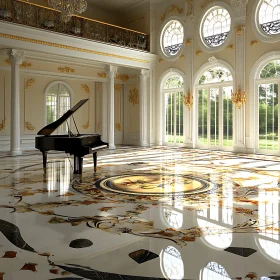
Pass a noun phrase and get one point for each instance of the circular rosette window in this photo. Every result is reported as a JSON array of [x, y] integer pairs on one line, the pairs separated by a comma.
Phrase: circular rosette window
[[155, 184]]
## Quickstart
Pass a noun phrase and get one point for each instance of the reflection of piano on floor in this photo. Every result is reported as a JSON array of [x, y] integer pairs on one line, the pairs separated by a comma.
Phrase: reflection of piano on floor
[[79, 145]]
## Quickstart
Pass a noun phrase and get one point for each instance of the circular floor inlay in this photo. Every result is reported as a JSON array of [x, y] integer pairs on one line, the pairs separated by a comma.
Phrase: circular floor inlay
[[154, 184]]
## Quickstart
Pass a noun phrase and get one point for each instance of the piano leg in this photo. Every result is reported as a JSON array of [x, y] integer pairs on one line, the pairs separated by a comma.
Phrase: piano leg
[[44, 153], [94, 160], [78, 165]]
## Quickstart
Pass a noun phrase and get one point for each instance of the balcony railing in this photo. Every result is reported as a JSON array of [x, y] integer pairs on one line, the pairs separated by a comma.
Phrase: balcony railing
[[22, 12]]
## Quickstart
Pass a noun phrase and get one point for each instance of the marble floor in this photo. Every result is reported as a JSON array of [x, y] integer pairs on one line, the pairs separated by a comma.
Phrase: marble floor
[[147, 213]]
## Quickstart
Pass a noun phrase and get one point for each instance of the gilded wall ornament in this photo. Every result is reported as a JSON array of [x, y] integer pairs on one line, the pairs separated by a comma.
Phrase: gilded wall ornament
[[102, 75], [99, 125], [118, 126], [188, 42], [86, 126], [66, 69], [188, 100], [118, 87], [254, 42], [239, 30], [198, 52], [190, 7], [29, 82], [171, 10], [182, 56], [133, 96], [29, 126], [85, 88], [24, 64], [3, 124], [160, 60], [122, 77], [230, 47], [238, 98]]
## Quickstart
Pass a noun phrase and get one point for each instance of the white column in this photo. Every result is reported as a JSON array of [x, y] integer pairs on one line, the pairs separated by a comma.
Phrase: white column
[[111, 71], [104, 125], [16, 59], [143, 96], [239, 136]]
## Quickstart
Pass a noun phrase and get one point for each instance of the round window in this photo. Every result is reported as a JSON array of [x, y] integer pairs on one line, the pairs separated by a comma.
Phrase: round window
[[269, 16], [215, 27], [172, 38]]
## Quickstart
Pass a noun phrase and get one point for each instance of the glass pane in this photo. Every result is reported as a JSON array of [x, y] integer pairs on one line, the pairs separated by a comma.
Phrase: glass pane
[[215, 75], [227, 117], [268, 116], [51, 108], [214, 116], [272, 69], [175, 81], [202, 116], [169, 109]]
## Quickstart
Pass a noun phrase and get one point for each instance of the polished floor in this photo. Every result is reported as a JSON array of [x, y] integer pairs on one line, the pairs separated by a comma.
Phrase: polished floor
[[147, 213]]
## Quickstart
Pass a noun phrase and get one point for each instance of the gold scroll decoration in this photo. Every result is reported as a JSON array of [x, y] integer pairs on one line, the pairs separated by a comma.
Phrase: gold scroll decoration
[[24, 64], [87, 91], [254, 42], [66, 69], [86, 126], [29, 82], [239, 30], [85, 88], [171, 10], [198, 52], [188, 42], [134, 96], [230, 47], [102, 75], [188, 100], [3, 124], [29, 126], [118, 126], [118, 87], [122, 77]]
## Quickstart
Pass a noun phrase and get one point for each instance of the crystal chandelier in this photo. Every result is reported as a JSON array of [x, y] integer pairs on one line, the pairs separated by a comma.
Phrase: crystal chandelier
[[68, 7]]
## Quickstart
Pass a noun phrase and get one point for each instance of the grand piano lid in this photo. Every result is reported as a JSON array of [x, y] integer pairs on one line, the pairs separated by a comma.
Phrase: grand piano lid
[[48, 129]]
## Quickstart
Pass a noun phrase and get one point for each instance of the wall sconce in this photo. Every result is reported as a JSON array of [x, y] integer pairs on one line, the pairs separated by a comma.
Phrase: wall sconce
[[238, 98], [188, 100]]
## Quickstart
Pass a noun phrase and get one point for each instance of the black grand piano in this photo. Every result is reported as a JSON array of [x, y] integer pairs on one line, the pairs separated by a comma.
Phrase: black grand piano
[[78, 145]]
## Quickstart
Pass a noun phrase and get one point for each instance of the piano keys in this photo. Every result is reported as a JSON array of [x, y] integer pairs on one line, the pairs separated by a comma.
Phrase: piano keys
[[78, 145]]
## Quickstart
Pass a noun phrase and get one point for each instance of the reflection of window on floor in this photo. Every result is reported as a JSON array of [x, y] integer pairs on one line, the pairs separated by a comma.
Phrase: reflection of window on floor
[[218, 218], [58, 176], [214, 271], [174, 215], [172, 265], [269, 216]]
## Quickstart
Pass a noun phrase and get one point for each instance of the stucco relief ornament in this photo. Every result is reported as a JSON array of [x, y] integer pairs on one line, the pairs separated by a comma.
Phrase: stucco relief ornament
[[212, 60]]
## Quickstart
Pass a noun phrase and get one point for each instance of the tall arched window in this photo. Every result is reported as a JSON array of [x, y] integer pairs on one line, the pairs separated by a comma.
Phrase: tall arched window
[[58, 102], [173, 91], [268, 107], [215, 126]]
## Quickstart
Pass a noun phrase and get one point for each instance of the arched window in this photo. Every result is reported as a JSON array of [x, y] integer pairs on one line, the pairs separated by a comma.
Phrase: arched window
[[215, 114], [215, 26], [173, 91], [269, 16], [58, 102], [215, 271], [172, 38], [268, 107]]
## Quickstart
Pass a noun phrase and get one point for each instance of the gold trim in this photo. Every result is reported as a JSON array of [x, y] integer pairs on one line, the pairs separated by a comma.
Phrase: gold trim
[[230, 47], [29, 126], [133, 97], [182, 56], [66, 69], [29, 82], [85, 88], [24, 64], [55, 45], [254, 42], [48, 8], [3, 124], [172, 9], [188, 100], [238, 98], [198, 52], [188, 42], [118, 126], [86, 126], [122, 77], [102, 75]]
